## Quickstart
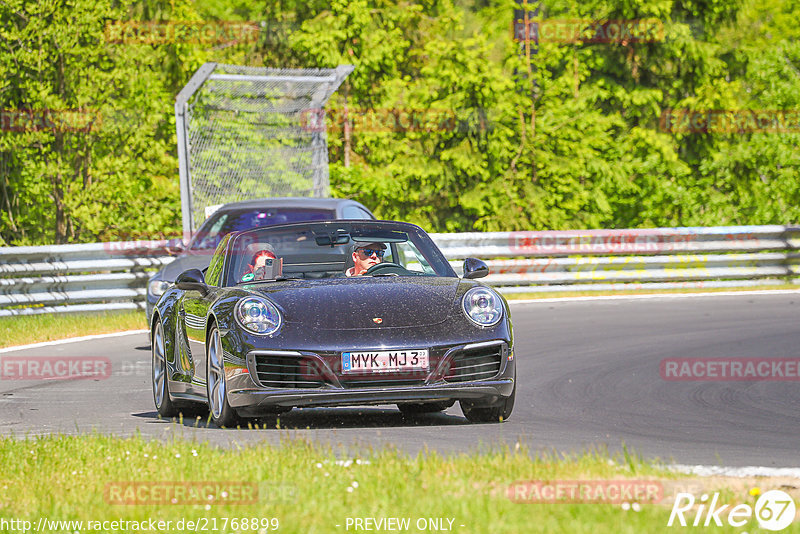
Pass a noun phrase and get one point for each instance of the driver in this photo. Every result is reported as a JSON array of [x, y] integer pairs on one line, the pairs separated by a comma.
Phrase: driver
[[365, 256]]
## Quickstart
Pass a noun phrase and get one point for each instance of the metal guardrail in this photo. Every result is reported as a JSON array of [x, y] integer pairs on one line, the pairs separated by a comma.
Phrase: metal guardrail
[[113, 276], [78, 278], [610, 260]]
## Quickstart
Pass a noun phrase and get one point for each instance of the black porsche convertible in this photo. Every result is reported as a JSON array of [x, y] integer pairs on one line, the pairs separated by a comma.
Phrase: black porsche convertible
[[287, 316]]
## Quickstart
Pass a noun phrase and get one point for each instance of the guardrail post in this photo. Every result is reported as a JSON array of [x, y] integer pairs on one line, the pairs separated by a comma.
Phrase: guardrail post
[[792, 236]]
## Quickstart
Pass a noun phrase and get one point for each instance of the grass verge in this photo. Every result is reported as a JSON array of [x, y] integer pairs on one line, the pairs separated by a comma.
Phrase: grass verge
[[308, 489], [25, 329]]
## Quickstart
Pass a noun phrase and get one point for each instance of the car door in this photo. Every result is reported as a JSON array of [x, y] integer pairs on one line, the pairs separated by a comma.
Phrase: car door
[[193, 312], [193, 309]]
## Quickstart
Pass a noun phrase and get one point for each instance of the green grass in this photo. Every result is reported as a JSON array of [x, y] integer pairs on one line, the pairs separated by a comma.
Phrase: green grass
[[301, 484], [558, 294], [24, 329]]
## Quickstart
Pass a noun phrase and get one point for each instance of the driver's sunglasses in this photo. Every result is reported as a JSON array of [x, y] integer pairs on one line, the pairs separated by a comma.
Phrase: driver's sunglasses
[[370, 251]]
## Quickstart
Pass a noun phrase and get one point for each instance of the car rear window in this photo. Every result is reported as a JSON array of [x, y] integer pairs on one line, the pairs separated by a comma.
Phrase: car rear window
[[222, 223]]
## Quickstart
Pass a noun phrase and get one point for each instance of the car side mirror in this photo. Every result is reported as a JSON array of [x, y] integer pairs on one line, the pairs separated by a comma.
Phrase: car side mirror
[[192, 279], [475, 268], [175, 247]]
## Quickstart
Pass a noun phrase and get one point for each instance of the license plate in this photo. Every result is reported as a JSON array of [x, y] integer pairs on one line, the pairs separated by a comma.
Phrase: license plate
[[385, 361]]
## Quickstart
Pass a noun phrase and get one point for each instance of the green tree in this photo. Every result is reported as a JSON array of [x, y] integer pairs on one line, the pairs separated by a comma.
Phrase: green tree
[[115, 176]]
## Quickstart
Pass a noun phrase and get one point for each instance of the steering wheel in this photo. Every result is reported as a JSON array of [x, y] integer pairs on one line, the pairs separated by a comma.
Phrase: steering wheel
[[386, 268]]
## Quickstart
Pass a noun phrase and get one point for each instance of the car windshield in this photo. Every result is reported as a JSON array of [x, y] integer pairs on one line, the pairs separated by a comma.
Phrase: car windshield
[[327, 250], [221, 224]]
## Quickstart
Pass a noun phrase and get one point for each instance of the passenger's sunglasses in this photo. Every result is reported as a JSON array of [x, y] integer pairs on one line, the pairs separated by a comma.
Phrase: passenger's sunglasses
[[370, 251]]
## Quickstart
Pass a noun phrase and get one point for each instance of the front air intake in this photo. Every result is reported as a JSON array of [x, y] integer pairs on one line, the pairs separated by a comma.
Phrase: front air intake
[[477, 363], [273, 371]]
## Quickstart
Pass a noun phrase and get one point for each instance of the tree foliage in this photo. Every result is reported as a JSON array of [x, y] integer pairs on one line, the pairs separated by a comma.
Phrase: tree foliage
[[469, 133]]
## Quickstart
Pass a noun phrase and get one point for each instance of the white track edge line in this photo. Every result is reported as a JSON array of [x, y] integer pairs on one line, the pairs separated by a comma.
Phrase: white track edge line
[[72, 340], [659, 296], [738, 472]]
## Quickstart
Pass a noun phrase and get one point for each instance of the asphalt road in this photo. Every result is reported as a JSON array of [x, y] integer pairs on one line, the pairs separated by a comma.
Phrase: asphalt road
[[588, 378]]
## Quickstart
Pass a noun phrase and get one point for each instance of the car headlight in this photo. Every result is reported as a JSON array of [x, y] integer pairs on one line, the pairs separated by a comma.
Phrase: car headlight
[[157, 288], [482, 306], [258, 316]]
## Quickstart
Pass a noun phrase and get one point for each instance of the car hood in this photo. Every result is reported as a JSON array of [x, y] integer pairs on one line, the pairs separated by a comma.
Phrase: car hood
[[188, 261], [350, 303]]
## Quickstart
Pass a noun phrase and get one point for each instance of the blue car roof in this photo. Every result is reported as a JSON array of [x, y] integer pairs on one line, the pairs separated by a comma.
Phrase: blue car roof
[[291, 202]]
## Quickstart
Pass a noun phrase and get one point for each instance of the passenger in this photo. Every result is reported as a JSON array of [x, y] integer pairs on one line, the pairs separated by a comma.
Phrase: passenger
[[364, 257], [265, 266]]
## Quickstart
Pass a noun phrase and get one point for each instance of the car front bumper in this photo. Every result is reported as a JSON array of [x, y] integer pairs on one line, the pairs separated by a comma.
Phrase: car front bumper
[[253, 402], [249, 396]]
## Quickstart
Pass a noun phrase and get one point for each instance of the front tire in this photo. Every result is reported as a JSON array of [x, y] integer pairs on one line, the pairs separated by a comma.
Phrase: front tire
[[216, 386], [475, 413], [424, 407], [160, 375]]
